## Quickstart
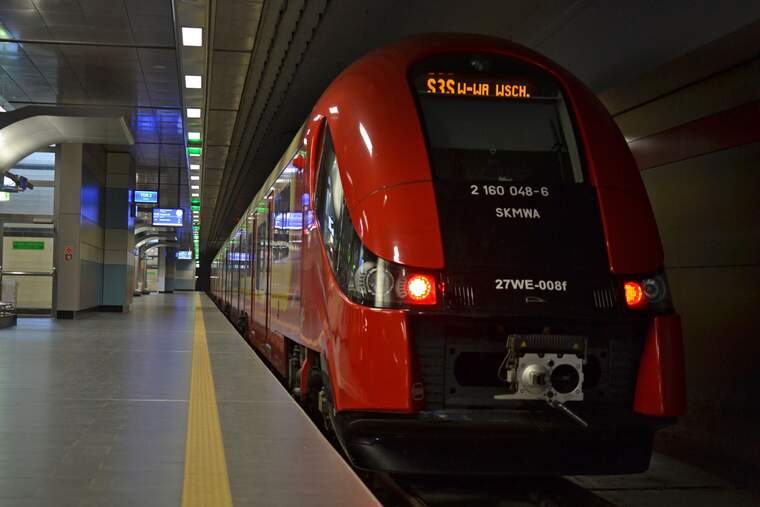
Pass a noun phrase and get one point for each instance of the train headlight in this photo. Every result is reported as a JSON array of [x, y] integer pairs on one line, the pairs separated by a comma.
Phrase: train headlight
[[654, 289], [378, 281]]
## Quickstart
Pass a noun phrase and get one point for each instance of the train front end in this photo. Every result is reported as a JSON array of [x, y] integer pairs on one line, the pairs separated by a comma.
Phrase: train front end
[[499, 256]]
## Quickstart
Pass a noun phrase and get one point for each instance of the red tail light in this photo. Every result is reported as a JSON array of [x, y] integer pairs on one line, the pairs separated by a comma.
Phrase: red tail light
[[420, 289], [634, 295]]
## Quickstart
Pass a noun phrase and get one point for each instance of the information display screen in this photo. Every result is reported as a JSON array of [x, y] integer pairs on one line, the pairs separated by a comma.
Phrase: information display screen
[[185, 255], [447, 83], [146, 196], [167, 217]]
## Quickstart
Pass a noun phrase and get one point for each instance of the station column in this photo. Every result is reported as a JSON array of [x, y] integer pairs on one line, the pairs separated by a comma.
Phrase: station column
[[119, 259]]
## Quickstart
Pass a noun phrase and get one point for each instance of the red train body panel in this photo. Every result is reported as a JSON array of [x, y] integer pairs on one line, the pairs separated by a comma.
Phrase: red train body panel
[[322, 271]]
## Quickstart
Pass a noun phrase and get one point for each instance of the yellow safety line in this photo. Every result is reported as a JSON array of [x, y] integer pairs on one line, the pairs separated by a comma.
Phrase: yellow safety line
[[206, 480]]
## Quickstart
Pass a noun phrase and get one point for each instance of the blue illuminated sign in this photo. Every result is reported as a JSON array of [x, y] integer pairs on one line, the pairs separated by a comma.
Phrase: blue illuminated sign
[[185, 255], [146, 196], [289, 220], [167, 217]]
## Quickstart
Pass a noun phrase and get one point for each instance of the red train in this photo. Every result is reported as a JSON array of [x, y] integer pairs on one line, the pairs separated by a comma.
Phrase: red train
[[456, 263]]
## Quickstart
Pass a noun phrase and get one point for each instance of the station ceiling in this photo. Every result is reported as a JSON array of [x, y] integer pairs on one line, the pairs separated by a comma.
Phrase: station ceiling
[[266, 62]]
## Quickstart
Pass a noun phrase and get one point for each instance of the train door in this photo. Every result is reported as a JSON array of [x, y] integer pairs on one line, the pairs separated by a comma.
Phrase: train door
[[252, 274], [247, 277], [238, 263], [262, 277]]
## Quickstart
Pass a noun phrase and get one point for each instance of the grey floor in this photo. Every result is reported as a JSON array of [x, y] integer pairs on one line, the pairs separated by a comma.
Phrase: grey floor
[[94, 412]]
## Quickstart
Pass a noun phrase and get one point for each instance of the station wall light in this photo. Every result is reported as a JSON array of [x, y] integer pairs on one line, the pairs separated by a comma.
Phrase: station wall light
[[195, 187], [195, 177], [193, 112], [194, 136], [195, 167]]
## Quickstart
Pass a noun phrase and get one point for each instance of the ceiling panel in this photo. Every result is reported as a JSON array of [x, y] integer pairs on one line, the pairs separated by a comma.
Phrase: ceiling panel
[[58, 5], [160, 8], [235, 24], [145, 154], [212, 177], [104, 8], [220, 126], [23, 23], [215, 156], [170, 155], [152, 29], [228, 72]]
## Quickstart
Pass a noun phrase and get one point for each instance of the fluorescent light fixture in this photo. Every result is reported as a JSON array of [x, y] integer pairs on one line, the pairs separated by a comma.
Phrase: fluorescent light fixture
[[195, 187], [192, 36], [194, 136], [192, 81], [196, 194], [195, 167], [194, 177], [193, 112]]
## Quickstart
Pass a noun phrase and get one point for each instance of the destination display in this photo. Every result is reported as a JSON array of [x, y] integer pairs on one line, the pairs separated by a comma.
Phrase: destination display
[[185, 255], [167, 217], [146, 197], [433, 83]]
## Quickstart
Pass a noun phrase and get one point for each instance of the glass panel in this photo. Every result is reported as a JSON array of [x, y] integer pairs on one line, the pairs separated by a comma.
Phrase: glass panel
[[28, 248], [329, 198], [262, 252]]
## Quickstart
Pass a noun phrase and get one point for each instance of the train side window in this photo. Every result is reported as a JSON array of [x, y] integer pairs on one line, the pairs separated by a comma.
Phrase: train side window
[[262, 241], [329, 203]]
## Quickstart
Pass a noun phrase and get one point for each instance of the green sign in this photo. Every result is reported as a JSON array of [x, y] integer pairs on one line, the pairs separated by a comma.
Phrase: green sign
[[28, 245]]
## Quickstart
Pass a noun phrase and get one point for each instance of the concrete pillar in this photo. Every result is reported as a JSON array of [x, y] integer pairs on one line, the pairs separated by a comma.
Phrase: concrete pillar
[[138, 274], [161, 275], [80, 205], [67, 260], [170, 266], [119, 256], [144, 273]]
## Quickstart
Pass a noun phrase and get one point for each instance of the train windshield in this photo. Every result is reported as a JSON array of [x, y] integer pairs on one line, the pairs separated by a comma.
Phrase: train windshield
[[493, 139]]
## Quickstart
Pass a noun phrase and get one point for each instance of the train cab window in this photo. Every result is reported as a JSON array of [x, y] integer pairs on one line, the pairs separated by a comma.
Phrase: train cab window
[[329, 199]]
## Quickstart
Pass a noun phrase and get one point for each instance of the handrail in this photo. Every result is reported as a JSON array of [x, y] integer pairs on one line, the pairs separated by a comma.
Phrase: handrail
[[27, 273]]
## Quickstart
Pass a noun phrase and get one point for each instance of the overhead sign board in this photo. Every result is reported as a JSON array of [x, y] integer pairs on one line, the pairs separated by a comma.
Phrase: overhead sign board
[[146, 196], [167, 217], [185, 254]]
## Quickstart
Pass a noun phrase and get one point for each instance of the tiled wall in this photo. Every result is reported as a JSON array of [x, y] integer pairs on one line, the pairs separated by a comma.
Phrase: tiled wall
[[92, 239]]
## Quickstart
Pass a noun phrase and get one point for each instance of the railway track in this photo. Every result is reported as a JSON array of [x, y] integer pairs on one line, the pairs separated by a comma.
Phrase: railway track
[[493, 491]]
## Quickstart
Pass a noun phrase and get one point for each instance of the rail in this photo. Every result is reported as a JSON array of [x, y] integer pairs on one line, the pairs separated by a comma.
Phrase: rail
[[27, 273]]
